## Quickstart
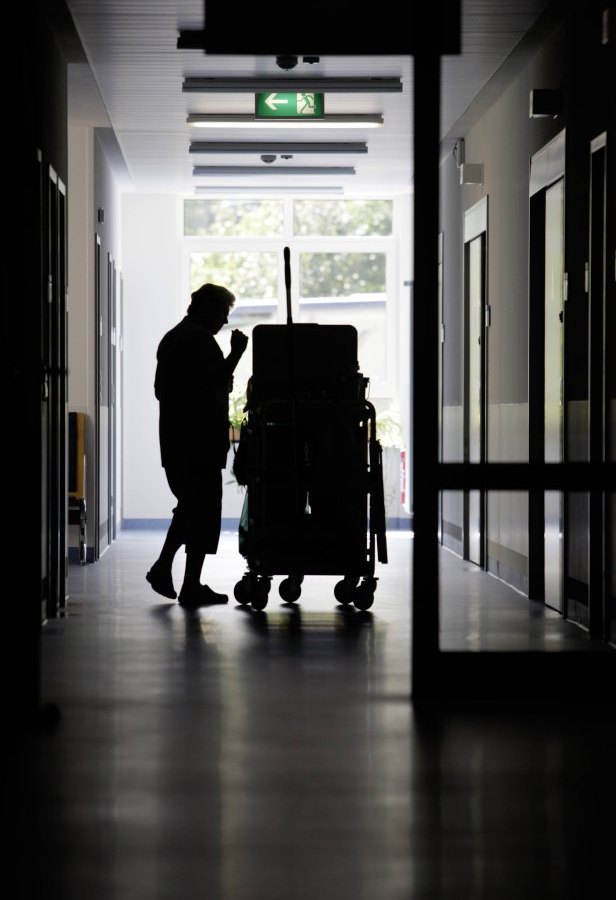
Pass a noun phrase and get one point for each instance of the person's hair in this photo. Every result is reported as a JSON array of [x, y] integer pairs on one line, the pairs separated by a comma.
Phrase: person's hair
[[208, 296]]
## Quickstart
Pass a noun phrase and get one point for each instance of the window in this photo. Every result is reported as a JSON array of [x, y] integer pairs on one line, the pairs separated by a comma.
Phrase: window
[[227, 218], [253, 277], [342, 269], [343, 217], [339, 288]]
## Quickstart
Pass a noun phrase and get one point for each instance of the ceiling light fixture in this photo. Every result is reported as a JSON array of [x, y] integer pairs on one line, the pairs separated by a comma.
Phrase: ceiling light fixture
[[278, 147], [234, 120], [286, 62], [213, 191], [273, 170], [262, 83]]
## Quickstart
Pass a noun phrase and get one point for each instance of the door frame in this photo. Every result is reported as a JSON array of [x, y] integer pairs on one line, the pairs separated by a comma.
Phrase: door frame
[[476, 227], [547, 167], [600, 605]]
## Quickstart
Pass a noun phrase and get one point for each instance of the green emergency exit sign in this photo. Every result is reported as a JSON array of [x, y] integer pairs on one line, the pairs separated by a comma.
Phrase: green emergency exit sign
[[277, 105]]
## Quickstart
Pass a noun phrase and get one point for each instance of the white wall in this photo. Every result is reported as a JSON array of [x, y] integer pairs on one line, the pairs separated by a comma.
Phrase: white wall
[[91, 183], [81, 330], [152, 305], [404, 231]]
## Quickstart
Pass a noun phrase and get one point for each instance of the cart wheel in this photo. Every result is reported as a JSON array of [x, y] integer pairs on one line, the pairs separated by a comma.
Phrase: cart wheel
[[364, 594], [290, 588], [259, 593], [344, 591], [242, 590]]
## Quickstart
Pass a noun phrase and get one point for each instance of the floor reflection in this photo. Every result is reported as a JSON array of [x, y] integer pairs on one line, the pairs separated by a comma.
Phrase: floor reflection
[[300, 631]]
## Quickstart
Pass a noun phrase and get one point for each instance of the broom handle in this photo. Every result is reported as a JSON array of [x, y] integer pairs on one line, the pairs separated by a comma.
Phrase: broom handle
[[287, 281]]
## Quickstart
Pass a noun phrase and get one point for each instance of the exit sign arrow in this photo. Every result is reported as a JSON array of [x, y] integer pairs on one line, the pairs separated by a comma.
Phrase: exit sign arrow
[[273, 100]]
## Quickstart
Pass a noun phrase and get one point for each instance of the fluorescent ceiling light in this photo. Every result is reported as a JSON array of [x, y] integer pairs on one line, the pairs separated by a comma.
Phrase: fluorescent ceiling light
[[273, 170], [234, 120], [258, 84], [292, 147], [268, 191]]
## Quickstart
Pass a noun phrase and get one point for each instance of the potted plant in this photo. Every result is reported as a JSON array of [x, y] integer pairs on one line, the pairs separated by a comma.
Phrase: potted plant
[[388, 430], [390, 436], [237, 404]]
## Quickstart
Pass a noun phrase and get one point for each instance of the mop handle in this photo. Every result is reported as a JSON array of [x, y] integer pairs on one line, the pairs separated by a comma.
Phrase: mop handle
[[287, 281]]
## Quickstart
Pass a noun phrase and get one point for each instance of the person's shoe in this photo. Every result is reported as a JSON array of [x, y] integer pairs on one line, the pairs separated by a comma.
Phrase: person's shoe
[[161, 581], [202, 595]]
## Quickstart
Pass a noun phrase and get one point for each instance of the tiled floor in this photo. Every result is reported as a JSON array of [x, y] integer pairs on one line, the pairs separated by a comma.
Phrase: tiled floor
[[227, 754]]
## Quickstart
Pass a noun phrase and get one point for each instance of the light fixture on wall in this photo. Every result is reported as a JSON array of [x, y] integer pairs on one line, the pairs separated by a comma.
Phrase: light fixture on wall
[[294, 147], [459, 151], [273, 170], [235, 120], [608, 25], [262, 83], [471, 173], [545, 103]]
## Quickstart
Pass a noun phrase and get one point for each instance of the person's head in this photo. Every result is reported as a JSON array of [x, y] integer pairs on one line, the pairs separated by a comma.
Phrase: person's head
[[210, 305]]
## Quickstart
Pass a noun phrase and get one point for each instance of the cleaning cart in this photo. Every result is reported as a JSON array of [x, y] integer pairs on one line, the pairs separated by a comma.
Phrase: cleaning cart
[[312, 465]]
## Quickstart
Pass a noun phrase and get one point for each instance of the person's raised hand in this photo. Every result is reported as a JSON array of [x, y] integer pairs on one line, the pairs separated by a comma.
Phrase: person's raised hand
[[239, 341]]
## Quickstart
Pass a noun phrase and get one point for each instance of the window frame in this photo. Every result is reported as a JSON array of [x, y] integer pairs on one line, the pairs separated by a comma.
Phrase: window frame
[[382, 385]]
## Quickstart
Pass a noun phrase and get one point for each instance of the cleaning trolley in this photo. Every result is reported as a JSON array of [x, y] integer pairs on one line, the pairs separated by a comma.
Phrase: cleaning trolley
[[311, 463]]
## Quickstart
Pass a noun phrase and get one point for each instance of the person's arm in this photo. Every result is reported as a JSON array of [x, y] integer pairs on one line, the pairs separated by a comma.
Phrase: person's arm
[[239, 342]]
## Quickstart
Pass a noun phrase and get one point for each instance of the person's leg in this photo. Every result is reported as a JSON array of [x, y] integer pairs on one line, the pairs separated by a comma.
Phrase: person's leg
[[160, 575], [195, 557], [192, 592], [173, 541], [203, 526]]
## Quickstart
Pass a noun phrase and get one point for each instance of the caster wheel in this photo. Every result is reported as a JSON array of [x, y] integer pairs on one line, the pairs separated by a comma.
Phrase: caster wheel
[[242, 591], [290, 588], [259, 593], [364, 594], [344, 591]]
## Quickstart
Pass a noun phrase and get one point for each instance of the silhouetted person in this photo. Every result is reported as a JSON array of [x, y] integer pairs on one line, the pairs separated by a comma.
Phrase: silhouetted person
[[192, 385]]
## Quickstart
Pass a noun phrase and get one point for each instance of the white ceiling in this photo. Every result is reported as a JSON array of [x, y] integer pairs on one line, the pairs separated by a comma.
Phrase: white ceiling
[[133, 84]]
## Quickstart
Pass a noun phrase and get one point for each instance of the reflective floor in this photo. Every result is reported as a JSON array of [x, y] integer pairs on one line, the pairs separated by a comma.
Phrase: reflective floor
[[227, 754]]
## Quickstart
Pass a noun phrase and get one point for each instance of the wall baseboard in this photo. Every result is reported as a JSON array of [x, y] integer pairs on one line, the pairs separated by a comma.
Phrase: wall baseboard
[[73, 556], [393, 523], [145, 524]]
